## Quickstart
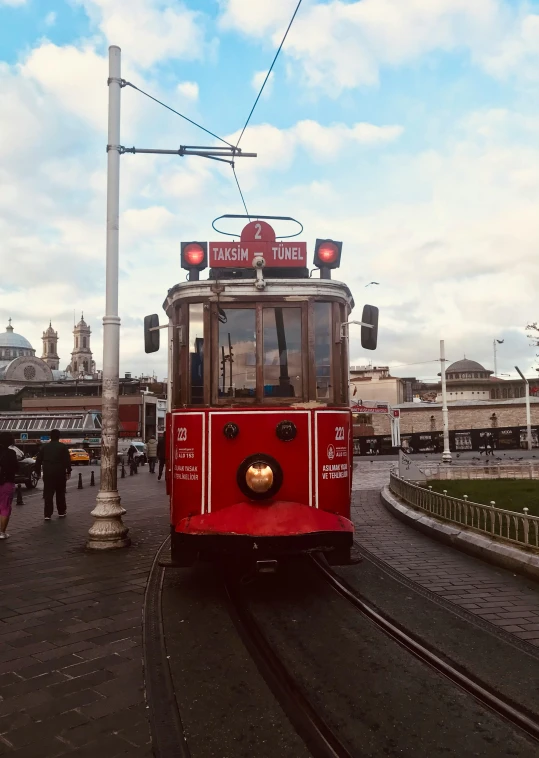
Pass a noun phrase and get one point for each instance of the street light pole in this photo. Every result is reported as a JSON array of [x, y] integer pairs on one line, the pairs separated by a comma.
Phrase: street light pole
[[528, 411], [446, 456], [108, 530]]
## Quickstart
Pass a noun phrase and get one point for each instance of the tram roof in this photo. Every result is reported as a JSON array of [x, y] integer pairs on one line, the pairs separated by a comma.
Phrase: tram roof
[[231, 289]]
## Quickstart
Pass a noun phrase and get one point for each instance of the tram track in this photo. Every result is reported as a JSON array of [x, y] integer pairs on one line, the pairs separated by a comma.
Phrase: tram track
[[502, 706], [166, 728], [297, 697], [318, 736]]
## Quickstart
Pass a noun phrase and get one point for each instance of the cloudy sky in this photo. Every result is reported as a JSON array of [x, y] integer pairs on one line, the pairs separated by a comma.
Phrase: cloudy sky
[[409, 129]]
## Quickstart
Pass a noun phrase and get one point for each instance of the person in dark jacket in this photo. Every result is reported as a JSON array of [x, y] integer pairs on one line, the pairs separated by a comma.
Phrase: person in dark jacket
[[55, 460], [8, 469], [161, 455]]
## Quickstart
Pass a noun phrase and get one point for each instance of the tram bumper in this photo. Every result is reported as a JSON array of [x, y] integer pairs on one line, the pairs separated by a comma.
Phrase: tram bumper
[[262, 531]]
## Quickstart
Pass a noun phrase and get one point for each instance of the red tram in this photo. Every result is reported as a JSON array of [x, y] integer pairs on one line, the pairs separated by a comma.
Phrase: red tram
[[259, 431]]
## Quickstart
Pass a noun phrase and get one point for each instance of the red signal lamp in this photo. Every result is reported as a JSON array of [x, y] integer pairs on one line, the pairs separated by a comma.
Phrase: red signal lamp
[[327, 255], [194, 258]]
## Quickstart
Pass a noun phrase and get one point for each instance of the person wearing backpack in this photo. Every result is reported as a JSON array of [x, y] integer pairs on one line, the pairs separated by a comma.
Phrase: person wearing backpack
[[8, 469]]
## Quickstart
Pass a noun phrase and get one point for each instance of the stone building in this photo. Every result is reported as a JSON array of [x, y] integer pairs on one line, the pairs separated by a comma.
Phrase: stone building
[[50, 348], [82, 363], [19, 364]]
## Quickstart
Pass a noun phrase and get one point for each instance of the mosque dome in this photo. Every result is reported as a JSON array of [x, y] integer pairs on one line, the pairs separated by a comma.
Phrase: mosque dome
[[10, 339], [465, 365], [466, 369]]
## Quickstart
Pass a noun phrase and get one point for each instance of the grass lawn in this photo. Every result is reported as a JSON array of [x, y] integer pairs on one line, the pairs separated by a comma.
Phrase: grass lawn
[[510, 494]]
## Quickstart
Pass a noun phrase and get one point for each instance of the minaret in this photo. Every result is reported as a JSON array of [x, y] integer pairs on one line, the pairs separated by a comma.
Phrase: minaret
[[81, 357], [50, 348]]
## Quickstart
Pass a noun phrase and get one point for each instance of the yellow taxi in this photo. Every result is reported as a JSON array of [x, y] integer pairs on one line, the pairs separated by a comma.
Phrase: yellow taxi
[[79, 457]]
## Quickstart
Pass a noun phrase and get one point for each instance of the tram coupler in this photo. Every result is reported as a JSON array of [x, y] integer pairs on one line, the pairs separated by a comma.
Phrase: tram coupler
[[266, 567]]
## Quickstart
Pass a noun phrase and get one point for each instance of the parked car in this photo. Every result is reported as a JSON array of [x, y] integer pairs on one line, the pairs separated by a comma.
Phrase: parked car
[[26, 470], [79, 456]]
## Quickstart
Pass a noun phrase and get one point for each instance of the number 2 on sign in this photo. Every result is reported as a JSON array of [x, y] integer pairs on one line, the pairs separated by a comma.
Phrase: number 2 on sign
[[258, 235], [182, 434], [339, 432]]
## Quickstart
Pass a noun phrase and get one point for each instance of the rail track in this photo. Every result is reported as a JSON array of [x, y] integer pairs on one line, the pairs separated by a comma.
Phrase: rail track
[[319, 738], [168, 738], [501, 705]]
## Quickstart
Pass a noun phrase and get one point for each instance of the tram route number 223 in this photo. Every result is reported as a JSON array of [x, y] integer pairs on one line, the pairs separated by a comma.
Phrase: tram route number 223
[[182, 434], [339, 433]]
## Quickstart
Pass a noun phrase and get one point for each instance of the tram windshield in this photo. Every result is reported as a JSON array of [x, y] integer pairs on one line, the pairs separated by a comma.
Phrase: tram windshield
[[237, 353], [282, 352], [257, 352]]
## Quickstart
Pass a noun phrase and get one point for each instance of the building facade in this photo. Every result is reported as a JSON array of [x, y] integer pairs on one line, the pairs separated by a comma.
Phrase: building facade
[[82, 362], [50, 348]]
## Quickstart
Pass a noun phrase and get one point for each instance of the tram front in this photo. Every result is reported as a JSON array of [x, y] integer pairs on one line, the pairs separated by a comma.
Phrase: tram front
[[259, 434]]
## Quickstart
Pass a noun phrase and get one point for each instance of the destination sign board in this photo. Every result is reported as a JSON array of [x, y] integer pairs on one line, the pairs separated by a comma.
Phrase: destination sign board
[[258, 239], [242, 254]]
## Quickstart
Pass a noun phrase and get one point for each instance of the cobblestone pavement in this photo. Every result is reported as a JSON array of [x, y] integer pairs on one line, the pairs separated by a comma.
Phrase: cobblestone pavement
[[70, 627], [498, 596]]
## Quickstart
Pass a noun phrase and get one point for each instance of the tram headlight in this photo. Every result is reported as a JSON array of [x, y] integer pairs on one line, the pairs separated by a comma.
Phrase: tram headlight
[[259, 477]]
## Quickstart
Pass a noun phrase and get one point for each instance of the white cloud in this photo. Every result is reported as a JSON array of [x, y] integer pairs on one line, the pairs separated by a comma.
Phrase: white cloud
[[50, 19], [149, 31], [278, 148], [258, 80], [188, 90], [13, 3], [340, 45]]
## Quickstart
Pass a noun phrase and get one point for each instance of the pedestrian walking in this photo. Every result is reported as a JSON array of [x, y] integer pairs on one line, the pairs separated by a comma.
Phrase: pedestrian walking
[[161, 454], [151, 449], [55, 461], [8, 469], [132, 459]]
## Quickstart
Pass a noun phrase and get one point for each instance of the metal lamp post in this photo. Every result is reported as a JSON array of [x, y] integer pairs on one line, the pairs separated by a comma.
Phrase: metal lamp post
[[108, 530], [446, 455], [528, 411]]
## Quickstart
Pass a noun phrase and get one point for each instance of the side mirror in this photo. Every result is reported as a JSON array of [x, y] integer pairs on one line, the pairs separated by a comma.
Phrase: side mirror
[[151, 333], [369, 332]]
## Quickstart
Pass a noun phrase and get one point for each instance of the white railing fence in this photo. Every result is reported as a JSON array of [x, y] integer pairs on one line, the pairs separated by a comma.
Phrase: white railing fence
[[517, 528]]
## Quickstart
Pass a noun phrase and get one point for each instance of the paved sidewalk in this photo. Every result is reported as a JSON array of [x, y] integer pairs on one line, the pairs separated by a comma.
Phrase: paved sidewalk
[[70, 627], [498, 596]]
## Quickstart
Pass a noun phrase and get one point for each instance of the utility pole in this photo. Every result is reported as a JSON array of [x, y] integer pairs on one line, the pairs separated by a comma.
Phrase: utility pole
[[495, 358], [446, 456], [108, 530], [528, 411]]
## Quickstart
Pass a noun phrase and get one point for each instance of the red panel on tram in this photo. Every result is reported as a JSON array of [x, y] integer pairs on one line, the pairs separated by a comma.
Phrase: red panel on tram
[[257, 434], [333, 472], [188, 464]]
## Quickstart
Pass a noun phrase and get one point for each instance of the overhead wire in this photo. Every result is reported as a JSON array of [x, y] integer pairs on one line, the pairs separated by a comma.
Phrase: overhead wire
[[260, 94], [181, 115], [239, 188], [269, 72]]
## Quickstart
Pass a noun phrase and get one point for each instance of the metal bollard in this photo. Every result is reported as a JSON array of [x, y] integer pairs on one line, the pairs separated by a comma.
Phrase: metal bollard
[[131, 472], [79, 485], [123, 471], [20, 501], [92, 480]]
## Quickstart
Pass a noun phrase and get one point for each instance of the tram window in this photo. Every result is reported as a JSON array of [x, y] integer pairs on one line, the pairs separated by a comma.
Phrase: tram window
[[196, 352], [322, 350], [237, 353], [282, 352]]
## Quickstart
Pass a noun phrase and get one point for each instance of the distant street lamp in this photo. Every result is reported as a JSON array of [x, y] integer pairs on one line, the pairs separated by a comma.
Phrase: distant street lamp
[[528, 413], [446, 455]]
